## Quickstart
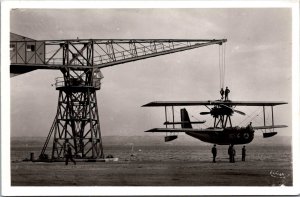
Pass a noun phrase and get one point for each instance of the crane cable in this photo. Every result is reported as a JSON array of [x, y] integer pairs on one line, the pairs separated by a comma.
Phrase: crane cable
[[224, 55], [222, 52], [220, 66]]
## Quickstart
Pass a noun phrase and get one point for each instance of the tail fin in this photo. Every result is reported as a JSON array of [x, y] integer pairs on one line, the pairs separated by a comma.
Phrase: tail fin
[[185, 118]]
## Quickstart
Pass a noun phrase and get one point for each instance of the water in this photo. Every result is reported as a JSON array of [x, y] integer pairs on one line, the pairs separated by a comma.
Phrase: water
[[21, 149]]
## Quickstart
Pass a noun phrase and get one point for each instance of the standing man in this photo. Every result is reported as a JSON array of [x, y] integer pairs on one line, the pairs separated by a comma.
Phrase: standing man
[[214, 152], [226, 93], [249, 127], [222, 93], [230, 153], [69, 155], [243, 153], [233, 154]]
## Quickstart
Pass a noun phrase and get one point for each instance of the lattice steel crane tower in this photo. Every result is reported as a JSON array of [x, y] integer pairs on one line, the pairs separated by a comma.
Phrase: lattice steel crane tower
[[77, 120]]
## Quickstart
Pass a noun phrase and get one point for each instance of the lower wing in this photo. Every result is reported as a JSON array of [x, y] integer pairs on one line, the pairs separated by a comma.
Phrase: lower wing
[[270, 127]]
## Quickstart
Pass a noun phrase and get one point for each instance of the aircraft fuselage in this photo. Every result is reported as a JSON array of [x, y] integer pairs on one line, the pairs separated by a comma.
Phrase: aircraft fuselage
[[230, 135]]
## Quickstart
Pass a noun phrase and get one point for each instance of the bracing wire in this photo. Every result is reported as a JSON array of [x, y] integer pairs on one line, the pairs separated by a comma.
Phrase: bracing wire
[[198, 120], [253, 115], [248, 117]]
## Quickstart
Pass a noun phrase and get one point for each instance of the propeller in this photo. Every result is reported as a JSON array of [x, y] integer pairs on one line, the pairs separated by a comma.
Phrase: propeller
[[214, 112], [204, 113], [237, 111]]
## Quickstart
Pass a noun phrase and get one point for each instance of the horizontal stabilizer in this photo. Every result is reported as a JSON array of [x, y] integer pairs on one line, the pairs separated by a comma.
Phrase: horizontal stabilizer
[[184, 122], [270, 127], [163, 130], [205, 113]]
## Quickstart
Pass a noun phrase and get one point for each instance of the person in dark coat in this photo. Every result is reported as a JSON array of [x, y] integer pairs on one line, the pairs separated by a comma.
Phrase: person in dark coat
[[243, 153], [249, 126], [233, 154], [226, 93], [214, 152], [222, 93], [230, 153], [69, 155]]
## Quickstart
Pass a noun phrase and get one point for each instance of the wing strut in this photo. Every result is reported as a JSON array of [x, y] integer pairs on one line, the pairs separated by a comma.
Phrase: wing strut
[[271, 128], [173, 116], [264, 115], [166, 115], [272, 118], [173, 134]]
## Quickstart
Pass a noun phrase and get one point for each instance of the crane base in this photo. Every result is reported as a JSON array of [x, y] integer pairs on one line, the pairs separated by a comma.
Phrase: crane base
[[78, 160]]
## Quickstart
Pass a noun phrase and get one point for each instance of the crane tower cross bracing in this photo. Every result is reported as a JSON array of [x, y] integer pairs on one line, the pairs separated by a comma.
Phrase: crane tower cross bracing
[[77, 122]]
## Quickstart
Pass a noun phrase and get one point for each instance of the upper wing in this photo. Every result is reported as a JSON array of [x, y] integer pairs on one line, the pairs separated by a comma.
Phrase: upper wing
[[218, 102], [184, 122], [182, 130]]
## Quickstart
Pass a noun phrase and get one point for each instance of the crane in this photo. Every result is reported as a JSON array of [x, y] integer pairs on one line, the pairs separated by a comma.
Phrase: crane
[[77, 121]]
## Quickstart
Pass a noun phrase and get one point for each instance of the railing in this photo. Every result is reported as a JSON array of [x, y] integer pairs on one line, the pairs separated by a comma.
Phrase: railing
[[97, 83], [77, 82], [59, 61], [59, 82]]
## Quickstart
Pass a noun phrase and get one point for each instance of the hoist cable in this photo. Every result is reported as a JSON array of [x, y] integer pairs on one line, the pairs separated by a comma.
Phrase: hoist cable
[[220, 66], [222, 53], [224, 66], [221, 71]]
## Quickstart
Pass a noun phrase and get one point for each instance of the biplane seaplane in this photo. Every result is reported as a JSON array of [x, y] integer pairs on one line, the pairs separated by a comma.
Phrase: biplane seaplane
[[222, 132]]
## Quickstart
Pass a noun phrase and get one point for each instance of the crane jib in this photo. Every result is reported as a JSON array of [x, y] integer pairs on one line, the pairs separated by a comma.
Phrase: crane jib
[[80, 54]]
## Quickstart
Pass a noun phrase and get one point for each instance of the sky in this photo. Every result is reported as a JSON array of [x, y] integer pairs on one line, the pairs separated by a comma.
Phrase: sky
[[258, 65]]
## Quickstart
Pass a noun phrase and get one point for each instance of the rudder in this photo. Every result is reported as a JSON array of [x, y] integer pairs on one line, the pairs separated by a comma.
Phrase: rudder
[[185, 119]]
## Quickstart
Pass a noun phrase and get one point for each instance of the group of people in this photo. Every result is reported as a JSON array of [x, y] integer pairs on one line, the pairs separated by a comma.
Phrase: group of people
[[226, 92], [231, 153]]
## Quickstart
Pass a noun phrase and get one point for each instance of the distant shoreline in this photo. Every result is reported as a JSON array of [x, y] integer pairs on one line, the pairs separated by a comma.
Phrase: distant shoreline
[[183, 140]]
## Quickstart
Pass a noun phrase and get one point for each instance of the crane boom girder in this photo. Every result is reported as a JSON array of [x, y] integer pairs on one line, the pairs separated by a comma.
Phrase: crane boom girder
[[154, 54], [103, 41], [79, 54]]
